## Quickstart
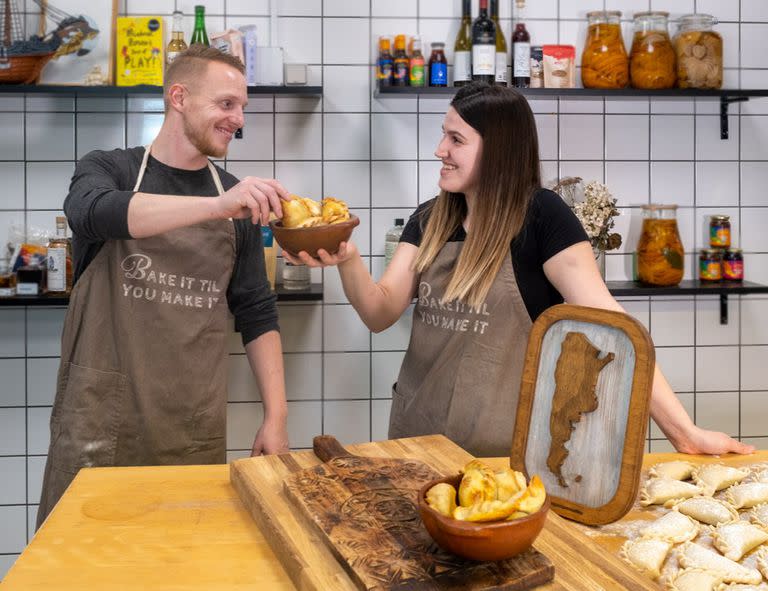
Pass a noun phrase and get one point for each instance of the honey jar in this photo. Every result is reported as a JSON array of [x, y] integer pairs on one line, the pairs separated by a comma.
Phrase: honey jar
[[710, 265], [720, 231], [733, 265]]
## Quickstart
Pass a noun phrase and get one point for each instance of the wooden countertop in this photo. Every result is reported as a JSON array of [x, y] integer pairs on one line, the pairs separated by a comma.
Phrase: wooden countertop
[[169, 528]]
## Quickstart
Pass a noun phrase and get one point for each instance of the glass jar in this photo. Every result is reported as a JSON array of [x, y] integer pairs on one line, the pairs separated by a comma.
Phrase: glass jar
[[710, 265], [733, 265], [652, 59], [7, 280], [295, 277], [660, 251], [604, 62], [438, 66], [720, 231], [699, 52]]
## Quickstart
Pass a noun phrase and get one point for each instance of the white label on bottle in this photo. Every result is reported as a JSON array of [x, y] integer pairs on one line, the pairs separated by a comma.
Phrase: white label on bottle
[[462, 66], [27, 289], [522, 60], [171, 55], [57, 269], [501, 67], [483, 60], [7, 292]]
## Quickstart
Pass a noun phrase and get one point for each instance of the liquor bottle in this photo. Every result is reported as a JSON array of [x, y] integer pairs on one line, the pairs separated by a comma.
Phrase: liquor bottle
[[462, 48], [384, 63], [177, 44], [501, 46], [521, 50], [484, 46], [400, 62], [416, 63], [60, 259], [198, 34]]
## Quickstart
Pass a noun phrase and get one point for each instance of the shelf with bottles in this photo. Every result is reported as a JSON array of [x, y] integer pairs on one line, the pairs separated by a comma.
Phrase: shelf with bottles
[[112, 91]]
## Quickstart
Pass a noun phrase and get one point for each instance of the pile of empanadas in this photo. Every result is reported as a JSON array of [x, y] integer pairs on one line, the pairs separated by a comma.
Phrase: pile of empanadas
[[716, 535], [485, 495], [303, 212]]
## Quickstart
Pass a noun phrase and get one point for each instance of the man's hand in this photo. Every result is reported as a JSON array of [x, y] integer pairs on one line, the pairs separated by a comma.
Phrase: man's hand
[[271, 438], [701, 441], [253, 198]]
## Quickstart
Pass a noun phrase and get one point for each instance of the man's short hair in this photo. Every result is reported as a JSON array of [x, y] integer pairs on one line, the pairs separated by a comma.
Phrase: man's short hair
[[192, 64]]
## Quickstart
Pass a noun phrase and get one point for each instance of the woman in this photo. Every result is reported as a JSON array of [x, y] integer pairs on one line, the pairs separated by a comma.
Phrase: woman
[[484, 259]]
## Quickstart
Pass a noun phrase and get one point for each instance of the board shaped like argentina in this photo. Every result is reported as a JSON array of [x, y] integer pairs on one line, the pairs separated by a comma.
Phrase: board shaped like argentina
[[366, 511], [583, 411]]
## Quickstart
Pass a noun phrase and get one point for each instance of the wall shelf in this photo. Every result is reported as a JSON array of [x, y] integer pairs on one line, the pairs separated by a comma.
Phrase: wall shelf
[[690, 287], [726, 96], [144, 89], [313, 294]]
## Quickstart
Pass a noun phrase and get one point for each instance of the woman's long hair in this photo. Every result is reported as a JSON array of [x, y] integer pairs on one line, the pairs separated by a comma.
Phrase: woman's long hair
[[508, 176]]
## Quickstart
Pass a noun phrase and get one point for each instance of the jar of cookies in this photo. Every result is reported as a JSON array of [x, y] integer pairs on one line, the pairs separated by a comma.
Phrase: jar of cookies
[[652, 59], [699, 51], [604, 62]]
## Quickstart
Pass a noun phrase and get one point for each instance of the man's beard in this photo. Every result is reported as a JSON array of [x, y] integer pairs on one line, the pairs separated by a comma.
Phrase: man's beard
[[201, 142]]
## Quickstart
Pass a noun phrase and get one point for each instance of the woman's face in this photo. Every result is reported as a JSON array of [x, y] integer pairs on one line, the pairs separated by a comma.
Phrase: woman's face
[[459, 149]]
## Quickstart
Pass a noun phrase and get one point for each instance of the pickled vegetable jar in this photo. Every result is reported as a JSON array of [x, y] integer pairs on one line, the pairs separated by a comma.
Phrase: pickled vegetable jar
[[604, 62], [652, 59], [660, 251], [699, 52]]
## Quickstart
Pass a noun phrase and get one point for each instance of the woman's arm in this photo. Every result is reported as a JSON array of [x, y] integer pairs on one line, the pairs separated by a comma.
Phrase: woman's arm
[[379, 304], [574, 274]]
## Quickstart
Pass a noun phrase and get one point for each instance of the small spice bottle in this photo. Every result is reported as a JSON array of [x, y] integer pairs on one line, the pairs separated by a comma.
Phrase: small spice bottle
[[720, 231], [710, 268], [733, 265], [438, 66]]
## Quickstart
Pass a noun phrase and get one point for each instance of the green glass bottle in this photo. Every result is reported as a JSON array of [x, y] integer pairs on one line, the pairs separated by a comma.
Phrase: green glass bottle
[[198, 34]]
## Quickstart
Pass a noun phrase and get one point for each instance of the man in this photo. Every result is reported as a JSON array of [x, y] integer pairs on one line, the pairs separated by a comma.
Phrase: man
[[164, 244]]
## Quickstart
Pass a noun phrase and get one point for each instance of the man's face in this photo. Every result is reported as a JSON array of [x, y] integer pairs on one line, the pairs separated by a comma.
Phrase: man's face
[[215, 110]]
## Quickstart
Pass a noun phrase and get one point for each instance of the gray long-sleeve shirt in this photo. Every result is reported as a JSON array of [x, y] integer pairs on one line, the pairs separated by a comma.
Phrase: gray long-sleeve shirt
[[97, 211]]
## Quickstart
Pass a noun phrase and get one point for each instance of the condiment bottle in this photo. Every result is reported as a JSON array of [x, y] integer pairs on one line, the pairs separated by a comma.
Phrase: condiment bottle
[[400, 62], [416, 63], [198, 33], [177, 44], [438, 66], [384, 67], [720, 231], [59, 273]]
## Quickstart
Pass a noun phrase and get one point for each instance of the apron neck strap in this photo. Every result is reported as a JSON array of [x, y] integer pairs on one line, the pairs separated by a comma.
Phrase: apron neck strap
[[143, 169]]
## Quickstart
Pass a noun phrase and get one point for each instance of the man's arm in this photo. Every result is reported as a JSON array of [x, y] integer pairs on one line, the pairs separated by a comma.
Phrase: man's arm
[[265, 355]]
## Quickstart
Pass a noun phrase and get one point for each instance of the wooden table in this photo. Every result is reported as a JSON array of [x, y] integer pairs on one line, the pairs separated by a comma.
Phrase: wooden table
[[169, 528]]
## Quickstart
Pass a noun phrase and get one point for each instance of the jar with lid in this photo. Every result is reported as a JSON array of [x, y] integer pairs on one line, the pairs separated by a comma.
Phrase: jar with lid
[[438, 66], [660, 251], [7, 280], [604, 62], [295, 277], [733, 265], [720, 231], [699, 52], [710, 265], [652, 59]]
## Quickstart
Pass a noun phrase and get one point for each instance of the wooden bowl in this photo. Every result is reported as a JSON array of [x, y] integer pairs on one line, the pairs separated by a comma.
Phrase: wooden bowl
[[489, 541], [294, 240]]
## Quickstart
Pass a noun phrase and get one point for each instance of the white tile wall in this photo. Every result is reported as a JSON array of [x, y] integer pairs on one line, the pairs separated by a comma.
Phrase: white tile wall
[[378, 155]]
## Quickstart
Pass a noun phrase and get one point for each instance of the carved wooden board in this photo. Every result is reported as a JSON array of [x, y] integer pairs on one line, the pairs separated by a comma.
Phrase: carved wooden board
[[366, 511], [583, 411]]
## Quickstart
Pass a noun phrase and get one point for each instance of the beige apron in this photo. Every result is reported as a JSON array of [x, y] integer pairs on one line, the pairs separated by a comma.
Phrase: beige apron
[[461, 373], [143, 370]]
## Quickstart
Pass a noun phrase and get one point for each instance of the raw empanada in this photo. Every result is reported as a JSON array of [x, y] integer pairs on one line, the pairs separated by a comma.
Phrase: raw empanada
[[743, 496], [673, 527], [707, 510], [759, 515], [741, 587], [735, 539], [716, 477], [677, 470], [762, 561], [658, 491], [694, 579], [646, 554], [691, 555]]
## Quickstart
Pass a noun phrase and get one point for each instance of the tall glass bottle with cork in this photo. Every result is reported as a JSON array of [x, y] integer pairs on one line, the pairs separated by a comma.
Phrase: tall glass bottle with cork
[[60, 259], [484, 46], [462, 48], [521, 50], [198, 34], [501, 46], [177, 43]]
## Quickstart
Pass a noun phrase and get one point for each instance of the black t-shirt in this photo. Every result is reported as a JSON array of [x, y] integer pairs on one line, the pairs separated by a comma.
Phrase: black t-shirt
[[550, 227], [97, 211]]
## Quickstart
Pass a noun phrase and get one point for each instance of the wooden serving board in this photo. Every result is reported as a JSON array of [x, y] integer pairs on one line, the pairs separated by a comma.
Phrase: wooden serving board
[[580, 564]]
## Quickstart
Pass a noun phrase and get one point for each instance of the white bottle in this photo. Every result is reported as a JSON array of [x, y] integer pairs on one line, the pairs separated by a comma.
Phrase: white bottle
[[392, 240]]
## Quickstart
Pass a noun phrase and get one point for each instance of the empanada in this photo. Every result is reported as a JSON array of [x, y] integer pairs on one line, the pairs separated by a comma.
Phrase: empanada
[[673, 527], [646, 554], [442, 498], [509, 483], [735, 539], [658, 491], [477, 485], [334, 211], [762, 561], [759, 515], [676, 470], [715, 477], [707, 510], [694, 579], [295, 212], [691, 555], [749, 494], [741, 587]]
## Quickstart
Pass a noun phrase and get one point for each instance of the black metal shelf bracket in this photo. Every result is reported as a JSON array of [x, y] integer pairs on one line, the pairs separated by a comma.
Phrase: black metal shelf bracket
[[725, 102], [723, 308]]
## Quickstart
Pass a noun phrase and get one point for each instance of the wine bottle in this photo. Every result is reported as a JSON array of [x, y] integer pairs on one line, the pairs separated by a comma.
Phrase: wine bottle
[[484, 46], [501, 46], [521, 50], [462, 48]]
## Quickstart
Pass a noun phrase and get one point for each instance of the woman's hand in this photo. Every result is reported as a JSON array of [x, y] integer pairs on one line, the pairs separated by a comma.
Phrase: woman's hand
[[346, 252], [701, 441]]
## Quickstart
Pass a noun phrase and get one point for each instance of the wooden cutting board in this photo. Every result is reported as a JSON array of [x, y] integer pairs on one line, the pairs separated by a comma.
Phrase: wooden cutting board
[[366, 512], [580, 564]]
